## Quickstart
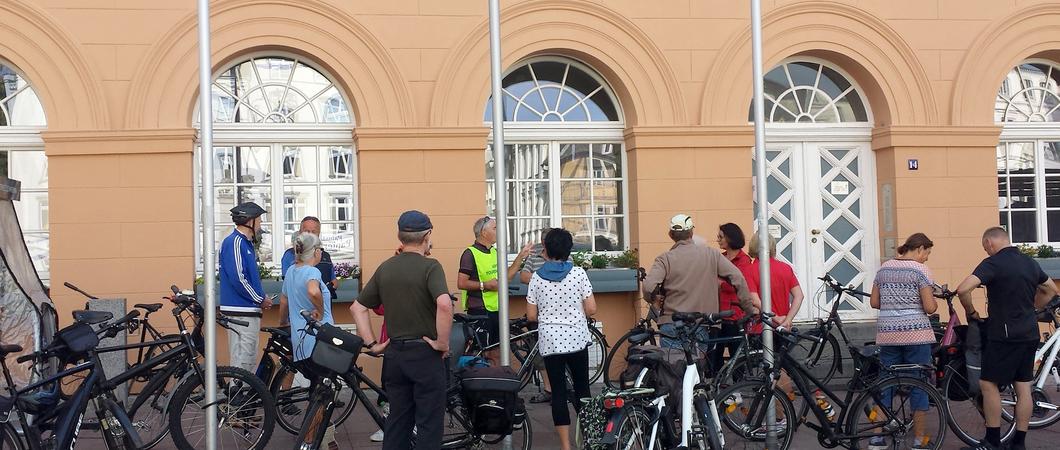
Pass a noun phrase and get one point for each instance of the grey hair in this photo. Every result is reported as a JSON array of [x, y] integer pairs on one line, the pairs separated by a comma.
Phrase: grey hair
[[304, 246], [481, 225], [412, 237]]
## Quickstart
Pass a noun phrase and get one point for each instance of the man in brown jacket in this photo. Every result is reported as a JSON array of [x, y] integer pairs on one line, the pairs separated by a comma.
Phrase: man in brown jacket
[[689, 274]]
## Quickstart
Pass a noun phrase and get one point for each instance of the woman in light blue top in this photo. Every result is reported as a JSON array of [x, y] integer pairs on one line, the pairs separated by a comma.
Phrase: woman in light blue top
[[303, 289]]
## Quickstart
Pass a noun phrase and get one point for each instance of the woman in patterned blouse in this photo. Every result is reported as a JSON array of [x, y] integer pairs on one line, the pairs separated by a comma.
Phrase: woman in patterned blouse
[[902, 292]]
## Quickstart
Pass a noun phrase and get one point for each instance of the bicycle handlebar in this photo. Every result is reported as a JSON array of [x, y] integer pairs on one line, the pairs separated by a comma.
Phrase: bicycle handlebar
[[78, 290], [832, 283]]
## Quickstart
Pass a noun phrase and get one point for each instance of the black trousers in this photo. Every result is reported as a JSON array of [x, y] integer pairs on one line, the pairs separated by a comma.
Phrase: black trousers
[[557, 366], [415, 378]]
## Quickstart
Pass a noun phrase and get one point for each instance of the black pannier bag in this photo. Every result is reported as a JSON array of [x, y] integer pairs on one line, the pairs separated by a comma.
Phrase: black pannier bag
[[666, 369], [78, 338], [336, 349], [491, 395]]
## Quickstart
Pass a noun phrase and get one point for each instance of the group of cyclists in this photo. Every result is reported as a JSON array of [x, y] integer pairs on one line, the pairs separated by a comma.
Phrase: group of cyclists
[[685, 282]]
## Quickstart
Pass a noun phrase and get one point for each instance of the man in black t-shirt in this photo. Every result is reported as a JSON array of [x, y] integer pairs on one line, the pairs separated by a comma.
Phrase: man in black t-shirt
[[1015, 287], [418, 316]]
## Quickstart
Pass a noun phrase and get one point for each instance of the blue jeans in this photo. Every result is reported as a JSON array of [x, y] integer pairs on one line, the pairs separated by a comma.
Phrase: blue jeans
[[702, 335], [906, 354]]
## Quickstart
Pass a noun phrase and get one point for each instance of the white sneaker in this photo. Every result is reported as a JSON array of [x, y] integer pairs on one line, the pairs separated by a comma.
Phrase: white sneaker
[[377, 436]]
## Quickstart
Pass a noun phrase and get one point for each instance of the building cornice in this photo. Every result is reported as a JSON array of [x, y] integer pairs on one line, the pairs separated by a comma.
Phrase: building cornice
[[100, 142]]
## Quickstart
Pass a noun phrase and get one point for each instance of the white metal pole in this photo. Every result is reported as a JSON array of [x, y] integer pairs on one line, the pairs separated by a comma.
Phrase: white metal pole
[[498, 178], [209, 251], [763, 204], [499, 196]]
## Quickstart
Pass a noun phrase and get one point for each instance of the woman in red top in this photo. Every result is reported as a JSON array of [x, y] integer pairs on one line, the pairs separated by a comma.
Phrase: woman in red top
[[731, 241]]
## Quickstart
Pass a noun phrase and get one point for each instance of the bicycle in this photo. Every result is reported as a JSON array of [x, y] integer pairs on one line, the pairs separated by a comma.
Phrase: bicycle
[[57, 418], [523, 345], [862, 413], [244, 406], [641, 416], [643, 327], [291, 399], [823, 359]]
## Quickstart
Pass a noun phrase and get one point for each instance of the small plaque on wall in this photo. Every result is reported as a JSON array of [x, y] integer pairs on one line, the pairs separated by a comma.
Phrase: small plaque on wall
[[840, 187]]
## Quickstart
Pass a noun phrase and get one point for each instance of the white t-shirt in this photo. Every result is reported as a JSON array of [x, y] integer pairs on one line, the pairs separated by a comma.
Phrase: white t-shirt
[[561, 318]]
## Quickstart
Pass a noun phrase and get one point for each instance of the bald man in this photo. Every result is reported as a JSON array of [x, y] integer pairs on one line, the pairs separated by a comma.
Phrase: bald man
[[1015, 287]]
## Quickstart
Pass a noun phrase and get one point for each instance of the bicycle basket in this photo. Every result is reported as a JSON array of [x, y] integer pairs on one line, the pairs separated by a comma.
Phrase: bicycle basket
[[867, 367], [336, 349], [78, 338]]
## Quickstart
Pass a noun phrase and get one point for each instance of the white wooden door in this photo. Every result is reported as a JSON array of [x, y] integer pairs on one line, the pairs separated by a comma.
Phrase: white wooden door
[[822, 201]]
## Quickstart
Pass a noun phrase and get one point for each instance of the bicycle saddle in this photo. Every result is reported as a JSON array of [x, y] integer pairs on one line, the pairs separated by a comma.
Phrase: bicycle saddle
[[466, 318], [280, 332], [92, 317], [149, 307], [6, 349]]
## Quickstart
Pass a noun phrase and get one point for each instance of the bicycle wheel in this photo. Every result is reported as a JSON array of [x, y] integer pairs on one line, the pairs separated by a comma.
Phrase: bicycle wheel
[[742, 409], [597, 353], [148, 411], [246, 413], [313, 429], [1046, 399], [457, 434], [634, 431], [821, 359], [615, 362], [9, 439], [292, 401], [965, 407], [708, 418], [902, 424]]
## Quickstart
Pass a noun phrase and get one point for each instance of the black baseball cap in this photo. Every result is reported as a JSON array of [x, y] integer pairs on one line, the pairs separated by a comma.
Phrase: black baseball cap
[[413, 221]]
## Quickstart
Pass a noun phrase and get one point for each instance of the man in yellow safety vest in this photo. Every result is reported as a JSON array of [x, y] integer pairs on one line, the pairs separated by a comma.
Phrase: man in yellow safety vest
[[477, 279]]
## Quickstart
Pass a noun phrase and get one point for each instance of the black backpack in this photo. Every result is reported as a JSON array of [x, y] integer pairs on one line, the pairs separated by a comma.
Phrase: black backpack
[[491, 396]]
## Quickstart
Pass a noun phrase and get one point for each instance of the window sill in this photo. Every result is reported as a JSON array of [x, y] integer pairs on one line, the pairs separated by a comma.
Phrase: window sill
[[348, 290], [603, 280]]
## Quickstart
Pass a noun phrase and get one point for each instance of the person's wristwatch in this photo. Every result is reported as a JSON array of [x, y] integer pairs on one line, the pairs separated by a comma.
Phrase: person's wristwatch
[[481, 286], [372, 344]]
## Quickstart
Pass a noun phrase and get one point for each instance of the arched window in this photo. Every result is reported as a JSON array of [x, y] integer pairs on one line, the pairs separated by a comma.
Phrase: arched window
[[1028, 156], [22, 158], [282, 138], [810, 92], [564, 158]]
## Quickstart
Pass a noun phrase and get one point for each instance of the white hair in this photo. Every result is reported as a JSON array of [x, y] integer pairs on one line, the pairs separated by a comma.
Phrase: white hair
[[304, 246]]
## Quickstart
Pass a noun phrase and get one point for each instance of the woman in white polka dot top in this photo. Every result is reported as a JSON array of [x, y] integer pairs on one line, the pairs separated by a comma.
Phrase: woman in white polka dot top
[[559, 298]]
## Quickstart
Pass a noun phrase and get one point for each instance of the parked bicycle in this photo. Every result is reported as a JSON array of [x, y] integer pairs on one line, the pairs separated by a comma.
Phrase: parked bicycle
[[823, 359], [48, 418], [643, 418], [875, 408]]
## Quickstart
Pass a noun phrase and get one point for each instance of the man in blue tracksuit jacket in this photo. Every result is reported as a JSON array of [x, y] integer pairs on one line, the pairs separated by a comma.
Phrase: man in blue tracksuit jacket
[[241, 292]]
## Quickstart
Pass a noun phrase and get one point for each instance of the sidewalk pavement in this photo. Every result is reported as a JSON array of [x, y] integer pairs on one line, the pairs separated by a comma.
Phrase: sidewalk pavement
[[355, 432]]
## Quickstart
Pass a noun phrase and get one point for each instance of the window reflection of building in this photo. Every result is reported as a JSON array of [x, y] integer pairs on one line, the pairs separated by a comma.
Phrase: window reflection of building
[[1028, 158], [560, 110], [22, 119], [316, 177]]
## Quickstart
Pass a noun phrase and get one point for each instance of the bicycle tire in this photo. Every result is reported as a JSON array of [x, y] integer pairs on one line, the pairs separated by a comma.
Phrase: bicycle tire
[[749, 433], [148, 410], [963, 409], [240, 397], [9, 438], [597, 353], [294, 397], [821, 359], [632, 435], [866, 403], [612, 369], [316, 404]]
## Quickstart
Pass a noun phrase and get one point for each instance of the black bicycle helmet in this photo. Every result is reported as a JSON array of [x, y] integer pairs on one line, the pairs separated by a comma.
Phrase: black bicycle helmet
[[246, 212]]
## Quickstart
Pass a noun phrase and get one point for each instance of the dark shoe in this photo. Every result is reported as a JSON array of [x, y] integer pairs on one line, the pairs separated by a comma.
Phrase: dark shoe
[[542, 397]]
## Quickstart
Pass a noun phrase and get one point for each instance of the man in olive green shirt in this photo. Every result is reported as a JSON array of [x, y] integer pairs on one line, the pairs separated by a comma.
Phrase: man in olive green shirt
[[419, 315]]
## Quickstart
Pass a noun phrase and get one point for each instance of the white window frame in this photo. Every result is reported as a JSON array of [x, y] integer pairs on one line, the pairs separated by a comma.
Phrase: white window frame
[[1036, 133], [27, 139], [276, 136]]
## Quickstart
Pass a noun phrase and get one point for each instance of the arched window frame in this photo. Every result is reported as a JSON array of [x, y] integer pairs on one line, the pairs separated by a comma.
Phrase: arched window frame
[[851, 128], [1035, 138], [279, 138], [553, 136], [25, 142]]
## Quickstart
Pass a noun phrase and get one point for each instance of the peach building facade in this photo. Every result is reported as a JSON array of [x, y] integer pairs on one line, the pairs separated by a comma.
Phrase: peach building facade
[[886, 118]]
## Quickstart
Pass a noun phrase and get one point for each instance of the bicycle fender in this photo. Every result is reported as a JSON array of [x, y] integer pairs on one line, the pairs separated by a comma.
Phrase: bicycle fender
[[610, 435], [123, 418]]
